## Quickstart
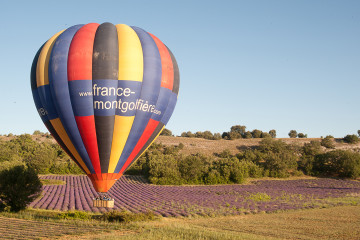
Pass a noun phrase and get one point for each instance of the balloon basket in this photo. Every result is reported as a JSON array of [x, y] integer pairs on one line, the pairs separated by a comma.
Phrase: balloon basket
[[103, 201]]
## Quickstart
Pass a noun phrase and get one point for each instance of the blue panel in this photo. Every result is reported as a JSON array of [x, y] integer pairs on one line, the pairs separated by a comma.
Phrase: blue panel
[[81, 97], [39, 107], [60, 90], [161, 104], [170, 109], [149, 92], [47, 101]]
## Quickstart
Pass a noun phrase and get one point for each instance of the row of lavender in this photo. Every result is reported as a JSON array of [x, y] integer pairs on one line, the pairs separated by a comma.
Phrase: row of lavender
[[134, 194]]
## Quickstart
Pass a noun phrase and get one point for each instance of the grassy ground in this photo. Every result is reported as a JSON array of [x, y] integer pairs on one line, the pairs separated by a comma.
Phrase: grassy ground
[[340, 222], [328, 223]]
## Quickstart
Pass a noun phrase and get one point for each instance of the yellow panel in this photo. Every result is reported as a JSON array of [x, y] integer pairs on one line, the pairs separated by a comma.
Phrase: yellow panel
[[131, 64], [42, 68], [122, 129], [59, 128]]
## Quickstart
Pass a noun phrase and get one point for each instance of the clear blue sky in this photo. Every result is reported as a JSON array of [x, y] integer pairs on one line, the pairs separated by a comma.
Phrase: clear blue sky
[[264, 64]]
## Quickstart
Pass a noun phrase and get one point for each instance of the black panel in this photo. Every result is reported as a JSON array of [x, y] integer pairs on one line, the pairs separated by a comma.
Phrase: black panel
[[105, 67]]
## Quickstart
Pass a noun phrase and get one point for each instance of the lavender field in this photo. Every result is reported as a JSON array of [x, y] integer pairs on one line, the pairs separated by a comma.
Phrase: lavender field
[[134, 194]]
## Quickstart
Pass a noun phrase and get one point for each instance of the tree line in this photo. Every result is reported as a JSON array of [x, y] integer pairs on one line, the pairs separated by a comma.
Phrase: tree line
[[272, 158], [239, 131]]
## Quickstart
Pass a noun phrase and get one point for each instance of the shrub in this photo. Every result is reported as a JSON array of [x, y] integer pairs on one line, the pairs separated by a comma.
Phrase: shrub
[[214, 177], [192, 168], [265, 135], [248, 135], [42, 159], [338, 163], [256, 133], [309, 152], [292, 134], [18, 187], [163, 170], [126, 217], [352, 139], [238, 129], [302, 135], [74, 215], [187, 134], [166, 132], [328, 142], [277, 157], [272, 133]]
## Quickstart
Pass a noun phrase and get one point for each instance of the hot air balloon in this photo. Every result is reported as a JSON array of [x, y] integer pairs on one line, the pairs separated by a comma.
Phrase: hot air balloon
[[104, 92]]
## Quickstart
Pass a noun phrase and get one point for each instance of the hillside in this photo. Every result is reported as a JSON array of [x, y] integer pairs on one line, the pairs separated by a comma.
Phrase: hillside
[[208, 147]]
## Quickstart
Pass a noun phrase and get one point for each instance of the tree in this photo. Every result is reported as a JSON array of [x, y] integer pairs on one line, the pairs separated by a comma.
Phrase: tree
[[18, 187], [166, 132], [328, 142], [248, 134], [358, 132], [238, 129], [187, 134], [301, 135], [339, 163], [272, 133], [292, 133], [265, 135], [42, 159], [256, 133], [352, 139]]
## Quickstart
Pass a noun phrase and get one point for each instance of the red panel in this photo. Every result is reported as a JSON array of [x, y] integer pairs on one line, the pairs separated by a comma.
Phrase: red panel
[[80, 53], [86, 126], [80, 68], [167, 78], [150, 128]]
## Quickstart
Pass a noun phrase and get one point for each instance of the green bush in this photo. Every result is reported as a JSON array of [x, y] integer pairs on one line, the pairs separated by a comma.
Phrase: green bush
[[338, 163], [42, 159], [256, 133], [272, 133], [292, 134], [352, 139], [126, 217], [278, 158], [18, 187], [74, 215], [302, 135], [166, 132], [328, 142], [308, 153], [163, 170], [192, 169]]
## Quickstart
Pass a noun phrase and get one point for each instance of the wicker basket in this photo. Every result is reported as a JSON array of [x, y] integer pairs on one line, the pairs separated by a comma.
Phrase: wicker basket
[[103, 203]]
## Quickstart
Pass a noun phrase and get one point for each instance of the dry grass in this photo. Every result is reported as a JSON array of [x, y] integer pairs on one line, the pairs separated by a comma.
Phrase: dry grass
[[209, 147], [330, 223]]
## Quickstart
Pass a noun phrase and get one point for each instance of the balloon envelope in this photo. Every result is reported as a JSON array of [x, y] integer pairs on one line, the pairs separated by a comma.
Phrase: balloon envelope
[[104, 92]]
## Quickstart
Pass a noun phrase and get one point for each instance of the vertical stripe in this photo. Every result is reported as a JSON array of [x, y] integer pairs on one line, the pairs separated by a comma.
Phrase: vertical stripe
[[105, 68], [131, 66], [42, 69], [176, 85], [149, 92], [46, 100], [59, 88], [80, 73], [167, 77]]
